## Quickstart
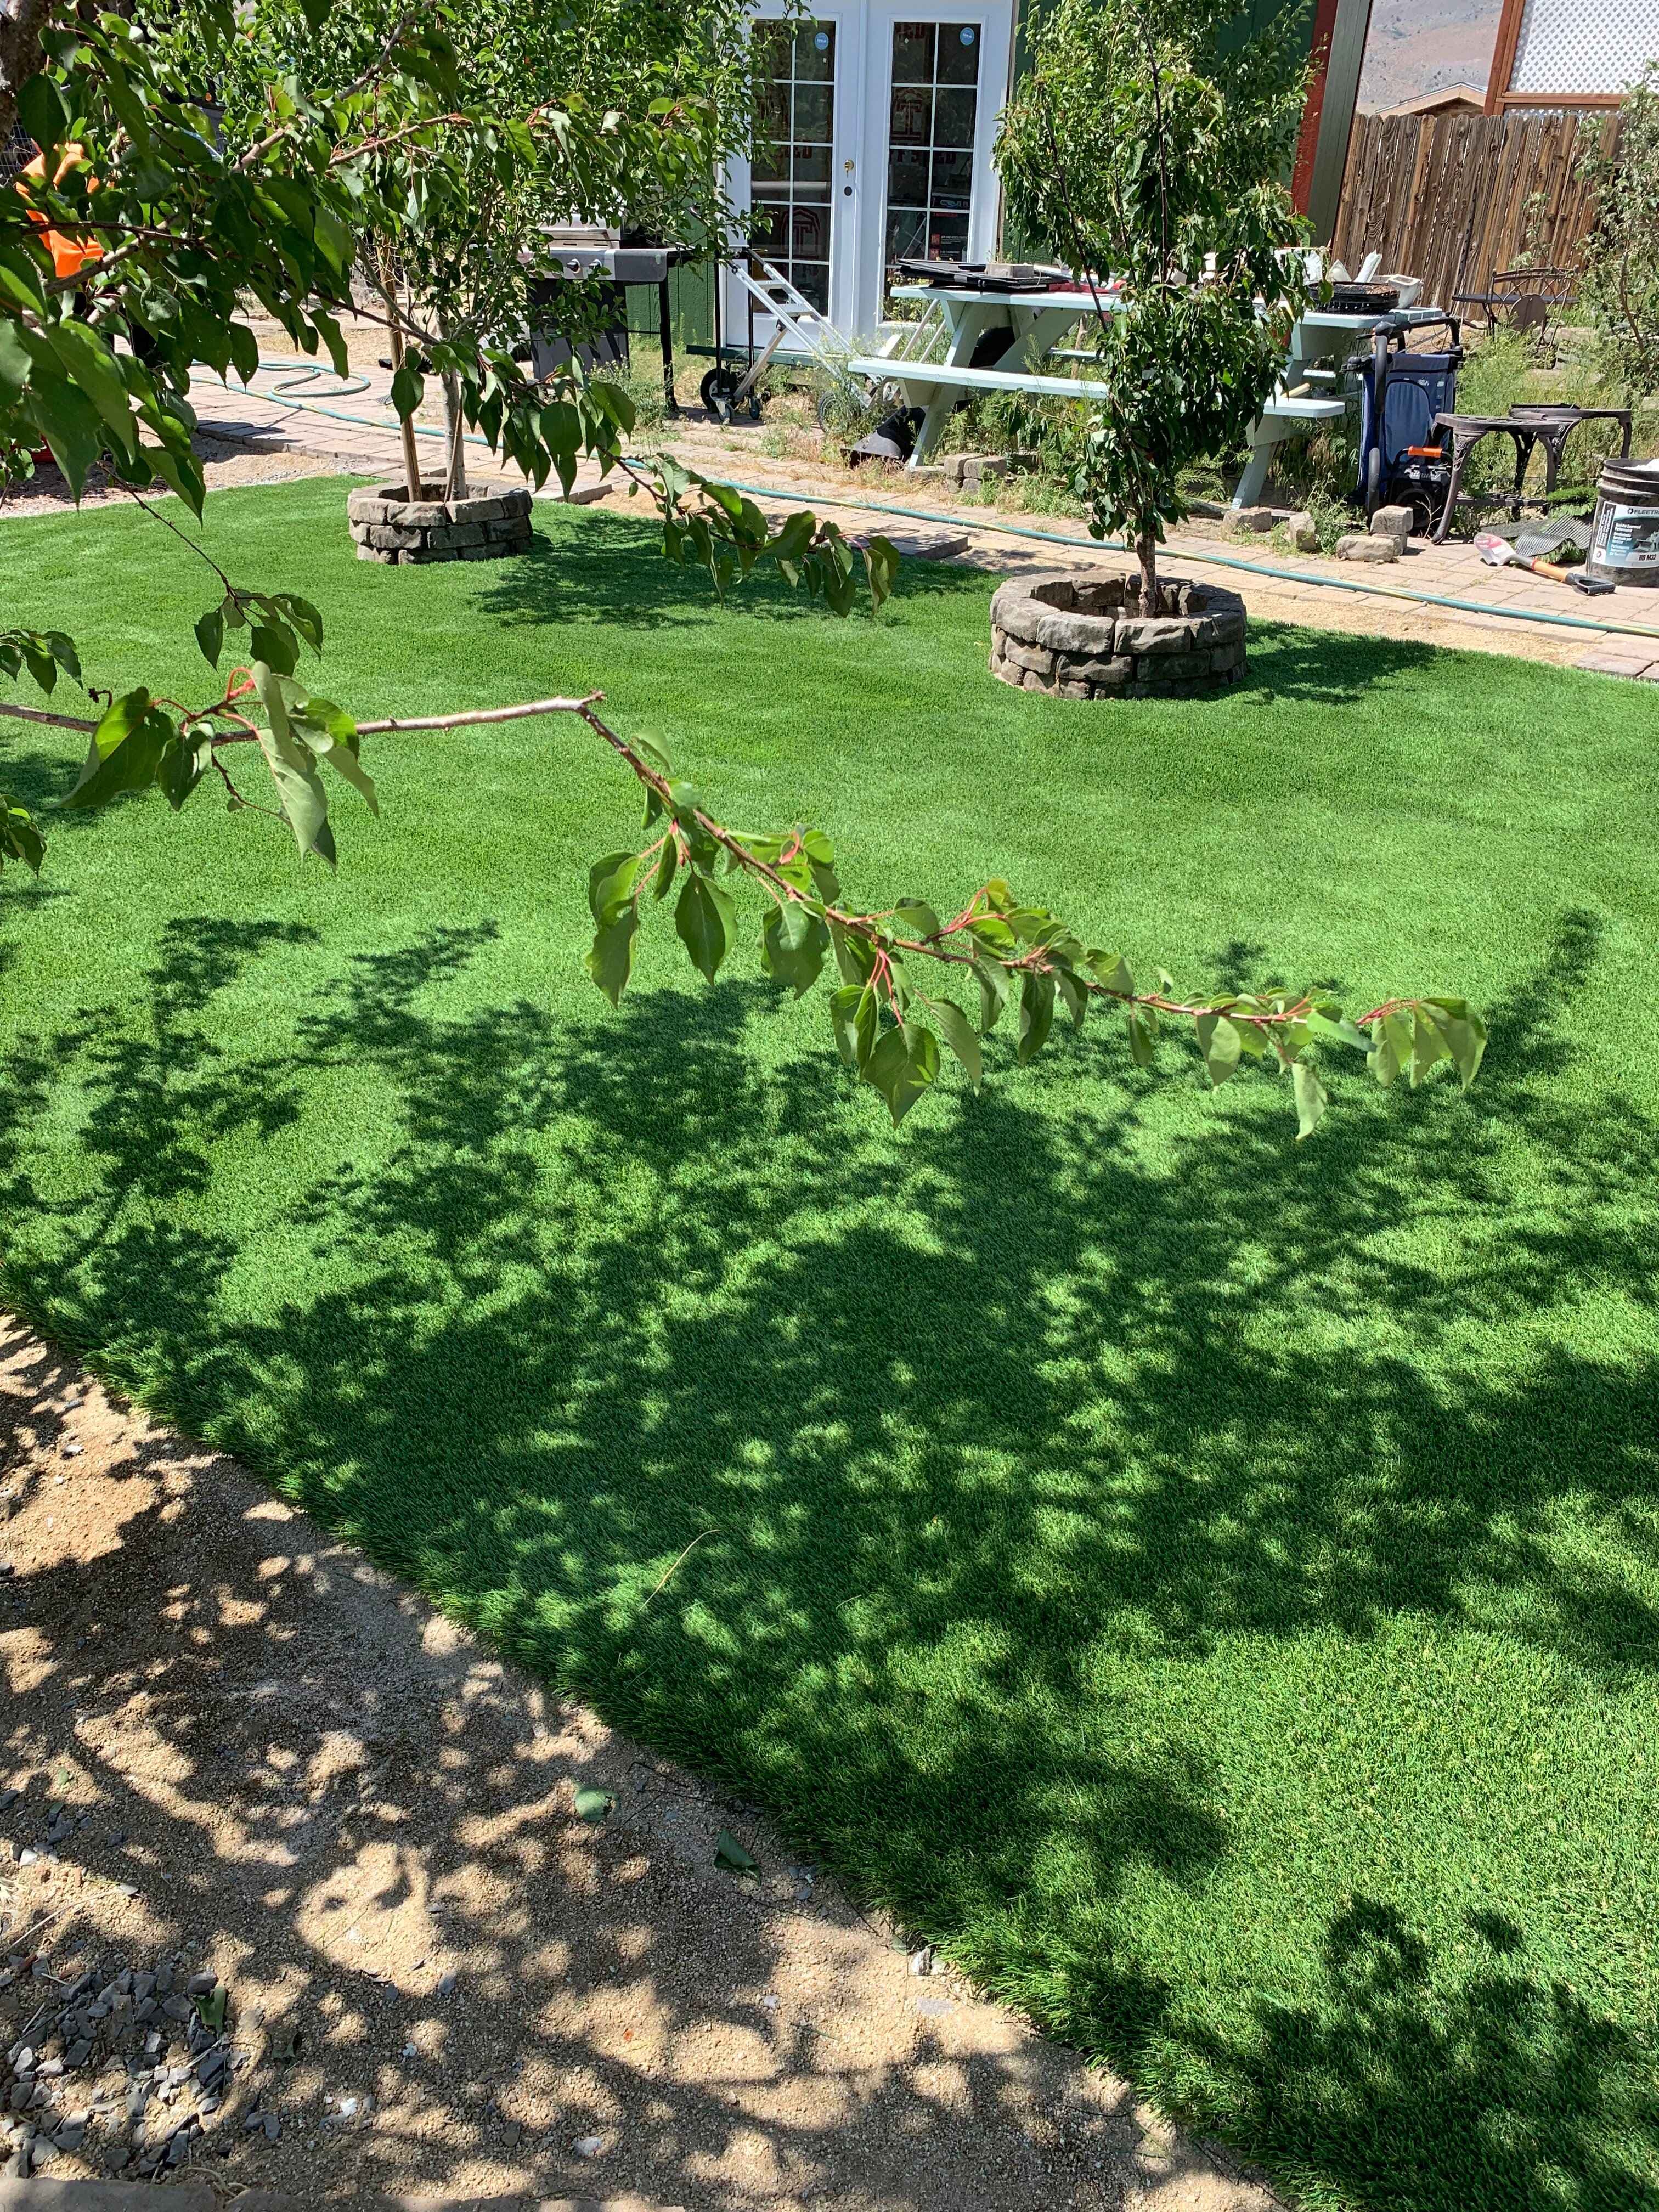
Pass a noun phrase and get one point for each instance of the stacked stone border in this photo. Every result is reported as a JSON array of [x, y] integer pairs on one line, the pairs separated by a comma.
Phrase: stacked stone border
[[388, 526], [1081, 635]]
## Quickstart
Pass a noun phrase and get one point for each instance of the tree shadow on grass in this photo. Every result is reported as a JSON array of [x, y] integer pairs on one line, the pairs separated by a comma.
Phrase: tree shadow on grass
[[612, 568], [874, 1475]]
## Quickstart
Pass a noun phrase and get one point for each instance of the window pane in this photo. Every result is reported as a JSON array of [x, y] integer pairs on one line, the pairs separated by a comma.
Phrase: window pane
[[809, 231], [913, 53], [907, 179], [954, 115], [959, 53], [812, 169], [907, 233], [953, 181], [948, 237], [769, 221], [912, 115], [815, 52], [812, 115], [811, 280], [771, 50]]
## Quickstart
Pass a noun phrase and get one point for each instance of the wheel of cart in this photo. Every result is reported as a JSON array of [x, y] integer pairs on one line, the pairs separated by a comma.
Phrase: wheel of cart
[[726, 389], [870, 396]]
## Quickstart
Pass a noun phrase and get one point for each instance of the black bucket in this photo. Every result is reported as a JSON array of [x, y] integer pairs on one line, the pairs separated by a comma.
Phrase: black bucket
[[1624, 537]]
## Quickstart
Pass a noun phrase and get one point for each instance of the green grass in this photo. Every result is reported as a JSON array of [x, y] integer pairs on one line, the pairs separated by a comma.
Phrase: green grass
[[1210, 1584]]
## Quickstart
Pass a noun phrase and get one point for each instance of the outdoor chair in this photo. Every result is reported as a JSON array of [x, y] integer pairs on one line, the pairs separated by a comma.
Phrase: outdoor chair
[[1529, 300]]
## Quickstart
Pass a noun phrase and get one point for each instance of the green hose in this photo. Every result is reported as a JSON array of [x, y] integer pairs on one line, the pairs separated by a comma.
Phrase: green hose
[[935, 515]]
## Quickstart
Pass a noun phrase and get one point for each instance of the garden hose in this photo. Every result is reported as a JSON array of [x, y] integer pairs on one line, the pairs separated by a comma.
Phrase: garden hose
[[937, 516]]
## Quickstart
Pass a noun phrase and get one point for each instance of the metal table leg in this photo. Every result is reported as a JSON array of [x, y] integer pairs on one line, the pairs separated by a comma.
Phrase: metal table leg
[[671, 406]]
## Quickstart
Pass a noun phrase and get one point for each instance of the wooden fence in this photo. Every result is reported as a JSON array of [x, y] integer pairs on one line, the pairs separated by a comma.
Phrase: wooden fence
[[1446, 197]]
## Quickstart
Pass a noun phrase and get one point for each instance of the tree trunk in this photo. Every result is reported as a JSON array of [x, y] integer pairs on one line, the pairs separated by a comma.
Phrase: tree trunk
[[1146, 554], [412, 485], [455, 422]]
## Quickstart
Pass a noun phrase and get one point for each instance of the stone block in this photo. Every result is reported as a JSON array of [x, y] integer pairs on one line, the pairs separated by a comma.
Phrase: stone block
[[1358, 546], [1104, 674], [1028, 656], [1226, 628], [423, 515], [1303, 532], [389, 537], [1394, 522], [1084, 634], [460, 534], [1155, 634], [1226, 659], [1249, 521], [1173, 667]]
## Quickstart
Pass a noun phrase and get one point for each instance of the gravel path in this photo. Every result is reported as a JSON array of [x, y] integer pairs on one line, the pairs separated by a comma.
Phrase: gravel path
[[293, 1893]]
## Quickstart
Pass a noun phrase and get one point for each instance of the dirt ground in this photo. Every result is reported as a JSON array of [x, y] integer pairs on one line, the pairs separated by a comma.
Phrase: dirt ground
[[242, 1754]]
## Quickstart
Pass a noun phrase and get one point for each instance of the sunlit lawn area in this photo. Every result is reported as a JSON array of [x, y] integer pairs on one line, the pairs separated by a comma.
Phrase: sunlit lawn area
[[1207, 1584]]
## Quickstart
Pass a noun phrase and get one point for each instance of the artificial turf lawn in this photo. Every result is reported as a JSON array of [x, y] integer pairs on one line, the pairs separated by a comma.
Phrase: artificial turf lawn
[[1209, 1583]]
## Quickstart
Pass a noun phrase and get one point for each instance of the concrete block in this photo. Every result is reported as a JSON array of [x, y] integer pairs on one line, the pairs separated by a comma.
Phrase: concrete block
[[1303, 532], [1357, 546], [1394, 522]]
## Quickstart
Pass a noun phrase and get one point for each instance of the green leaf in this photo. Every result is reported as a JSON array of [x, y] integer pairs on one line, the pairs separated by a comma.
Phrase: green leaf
[[43, 114], [1036, 1013], [1076, 998], [125, 750], [856, 1020], [1429, 1044], [276, 646], [70, 424], [730, 1856], [180, 768], [19, 837], [855, 958], [408, 390], [1465, 1033], [210, 635], [1219, 1042], [959, 1034], [1310, 1099], [881, 563], [610, 882], [293, 768], [1113, 972], [916, 918], [1140, 1038], [611, 960], [303, 615], [89, 360], [1335, 1030], [904, 1063], [704, 918], [792, 944], [594, 1805], [15, 365], [993, 980], [665, 867]]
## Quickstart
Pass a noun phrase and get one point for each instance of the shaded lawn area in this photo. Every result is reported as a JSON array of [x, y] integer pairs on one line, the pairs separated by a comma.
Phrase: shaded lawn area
[[1209, 1584]]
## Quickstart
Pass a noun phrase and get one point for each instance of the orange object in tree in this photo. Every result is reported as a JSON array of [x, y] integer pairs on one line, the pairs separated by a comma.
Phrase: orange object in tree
[[70, 254]]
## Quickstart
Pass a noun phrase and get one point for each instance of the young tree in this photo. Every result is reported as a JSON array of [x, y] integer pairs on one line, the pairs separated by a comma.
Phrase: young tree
[[1620, 287], [1149, 160]]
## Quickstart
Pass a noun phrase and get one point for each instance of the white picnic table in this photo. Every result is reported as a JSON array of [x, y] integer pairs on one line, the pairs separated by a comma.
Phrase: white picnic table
[[1036, 321]]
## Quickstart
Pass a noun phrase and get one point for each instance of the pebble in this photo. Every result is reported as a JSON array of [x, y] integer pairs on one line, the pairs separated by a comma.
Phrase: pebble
[[921, 1961], [588, 2146], [273, 2127], [445, 1983], [29, 1858]]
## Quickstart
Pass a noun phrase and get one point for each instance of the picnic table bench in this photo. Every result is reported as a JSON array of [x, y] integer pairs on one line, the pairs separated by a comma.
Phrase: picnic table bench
[[1031, 324]]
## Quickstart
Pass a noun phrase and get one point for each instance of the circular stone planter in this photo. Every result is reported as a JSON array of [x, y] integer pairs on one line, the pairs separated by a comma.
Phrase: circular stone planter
[[387, 526], [1082, 636]]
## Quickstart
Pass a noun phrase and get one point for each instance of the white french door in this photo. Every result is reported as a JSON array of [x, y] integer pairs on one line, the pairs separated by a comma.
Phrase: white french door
[[802, 183], [938, 78], [874, 141]]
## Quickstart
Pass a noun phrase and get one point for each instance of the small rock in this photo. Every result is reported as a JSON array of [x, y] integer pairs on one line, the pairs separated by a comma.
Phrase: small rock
[[1303, 532], [1395, 522], [1358, 547], [588, 2146], [411, 2050], [935, 2008], [202, 1985], [73, 1451], [921, 1961], [273, 2127], [27, 1858], [253, 2120], [445, 1983], [1249, 521], [71, 2136], [22, 2059], [7, 1799]]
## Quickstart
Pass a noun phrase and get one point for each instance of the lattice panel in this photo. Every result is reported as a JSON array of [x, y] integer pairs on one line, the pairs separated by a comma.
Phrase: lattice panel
[[1575, 47]]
